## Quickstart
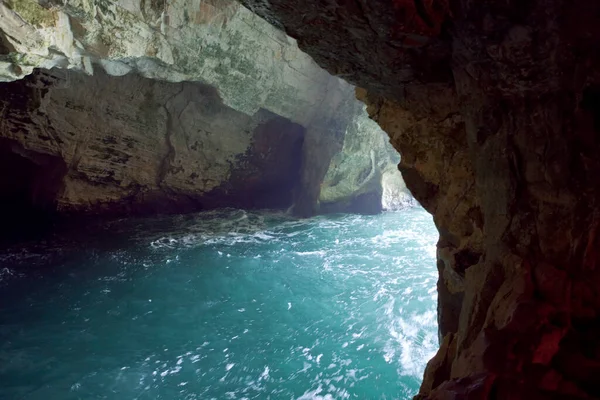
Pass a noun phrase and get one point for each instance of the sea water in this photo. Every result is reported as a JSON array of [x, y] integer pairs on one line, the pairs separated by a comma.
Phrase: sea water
[[223, 305]]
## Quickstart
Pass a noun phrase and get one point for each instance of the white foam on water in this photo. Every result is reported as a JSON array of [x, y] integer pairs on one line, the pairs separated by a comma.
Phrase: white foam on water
[[311, 253], [367, 312], [265, 374], [315, 395]]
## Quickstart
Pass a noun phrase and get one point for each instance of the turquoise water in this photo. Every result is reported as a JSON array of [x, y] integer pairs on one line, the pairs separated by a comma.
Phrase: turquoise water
[[224, 305]]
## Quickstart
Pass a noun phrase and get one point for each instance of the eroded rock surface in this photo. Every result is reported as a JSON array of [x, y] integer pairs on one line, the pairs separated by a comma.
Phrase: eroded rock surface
[[131, 144], [363, 176], [135, 145], [494, 108]]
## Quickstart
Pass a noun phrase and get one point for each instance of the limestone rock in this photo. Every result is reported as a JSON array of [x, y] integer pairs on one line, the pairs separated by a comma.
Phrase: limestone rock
[[494, 107], [363, 177], [243, 68], [396, 195], [132, 144], [216, 42]]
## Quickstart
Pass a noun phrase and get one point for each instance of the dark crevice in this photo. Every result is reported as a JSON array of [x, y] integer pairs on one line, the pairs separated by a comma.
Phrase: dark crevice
[[269, 173], [464, 259], [29, 186], [5, 46], [422, 11], [590, 102]]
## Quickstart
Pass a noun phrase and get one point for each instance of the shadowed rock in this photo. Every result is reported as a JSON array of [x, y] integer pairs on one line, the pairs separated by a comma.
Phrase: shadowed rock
[[493, 107]]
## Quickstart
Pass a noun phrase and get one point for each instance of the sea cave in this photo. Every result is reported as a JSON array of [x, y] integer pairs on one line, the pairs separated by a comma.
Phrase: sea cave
[[283, 199]]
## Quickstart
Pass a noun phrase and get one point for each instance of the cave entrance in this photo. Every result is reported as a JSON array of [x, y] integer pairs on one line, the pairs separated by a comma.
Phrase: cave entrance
[[30, 184], [267, 175]]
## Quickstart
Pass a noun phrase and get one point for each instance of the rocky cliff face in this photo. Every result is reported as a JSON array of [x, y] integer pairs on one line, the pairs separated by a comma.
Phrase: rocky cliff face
[[363, 176], [177, 107], [135, 145], [494, 108]]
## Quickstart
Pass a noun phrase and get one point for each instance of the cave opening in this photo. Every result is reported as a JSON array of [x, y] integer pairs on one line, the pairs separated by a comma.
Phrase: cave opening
[[237, 224], [348, 294], [495, 106], [274, 176], [30, 184]]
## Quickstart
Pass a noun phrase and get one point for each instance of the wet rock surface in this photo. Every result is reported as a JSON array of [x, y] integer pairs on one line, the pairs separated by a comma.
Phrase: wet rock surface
[[241, 67], [136, 146], [492, 105]]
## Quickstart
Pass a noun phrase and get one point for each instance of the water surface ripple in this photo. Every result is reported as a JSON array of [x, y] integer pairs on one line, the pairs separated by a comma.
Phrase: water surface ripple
[[226, 305]]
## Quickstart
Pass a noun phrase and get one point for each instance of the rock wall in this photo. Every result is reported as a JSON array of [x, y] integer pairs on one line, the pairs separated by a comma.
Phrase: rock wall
[[216, 42], [221, 74], [363, 176], [494, 108], [134, 145]]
